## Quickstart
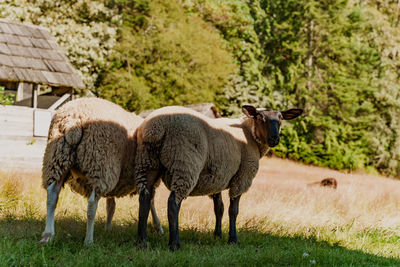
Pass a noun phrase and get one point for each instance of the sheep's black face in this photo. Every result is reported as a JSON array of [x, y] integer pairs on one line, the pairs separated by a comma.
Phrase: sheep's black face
[[267, 123]]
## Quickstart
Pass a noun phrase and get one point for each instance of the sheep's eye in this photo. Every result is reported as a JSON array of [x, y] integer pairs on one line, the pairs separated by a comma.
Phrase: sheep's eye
[[263, 119]]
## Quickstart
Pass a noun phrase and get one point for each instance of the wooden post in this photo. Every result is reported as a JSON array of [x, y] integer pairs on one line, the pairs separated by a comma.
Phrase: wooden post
[[20, 92], [35, 95], [24, 91]]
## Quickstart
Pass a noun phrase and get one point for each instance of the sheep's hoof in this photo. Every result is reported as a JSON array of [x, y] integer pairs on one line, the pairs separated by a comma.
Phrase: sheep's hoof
[[46, 238], [88, 242], [141, 243], [174, 246], [232, 241], [217, 235], [159, 230]]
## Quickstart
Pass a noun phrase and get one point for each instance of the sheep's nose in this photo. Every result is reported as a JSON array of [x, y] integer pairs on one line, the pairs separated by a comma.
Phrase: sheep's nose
[[273, 141]]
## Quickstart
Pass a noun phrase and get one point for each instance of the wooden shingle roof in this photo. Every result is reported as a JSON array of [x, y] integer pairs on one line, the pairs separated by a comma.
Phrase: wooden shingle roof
[[29, 53]]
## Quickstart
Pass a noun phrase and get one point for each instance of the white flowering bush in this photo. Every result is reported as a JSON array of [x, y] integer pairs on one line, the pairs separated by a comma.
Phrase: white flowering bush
[[85, 30]]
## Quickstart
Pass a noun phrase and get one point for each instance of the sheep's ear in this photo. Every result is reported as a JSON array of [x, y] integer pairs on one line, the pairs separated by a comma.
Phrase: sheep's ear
[[291, 114], [249, 111]]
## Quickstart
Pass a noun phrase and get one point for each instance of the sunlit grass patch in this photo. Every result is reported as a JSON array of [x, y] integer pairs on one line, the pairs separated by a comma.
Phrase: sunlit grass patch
[[17, 199]]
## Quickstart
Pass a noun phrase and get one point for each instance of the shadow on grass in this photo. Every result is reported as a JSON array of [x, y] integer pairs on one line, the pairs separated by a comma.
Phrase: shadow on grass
[[19, 246]]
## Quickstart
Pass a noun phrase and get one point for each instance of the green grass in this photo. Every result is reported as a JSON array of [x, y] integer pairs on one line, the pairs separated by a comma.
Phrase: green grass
[[19, 247], [280, 220]]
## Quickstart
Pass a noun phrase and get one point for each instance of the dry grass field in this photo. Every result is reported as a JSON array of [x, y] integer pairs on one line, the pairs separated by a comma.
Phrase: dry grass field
[[356, 224]]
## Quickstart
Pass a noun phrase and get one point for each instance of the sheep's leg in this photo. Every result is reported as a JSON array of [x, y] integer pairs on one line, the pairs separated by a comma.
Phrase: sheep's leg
[[110, 207], [233, 212], [183, 182], [53, 191], [145, 198], [156, 221], [219, 212], [144, 208], [91, 214], [173, 215]]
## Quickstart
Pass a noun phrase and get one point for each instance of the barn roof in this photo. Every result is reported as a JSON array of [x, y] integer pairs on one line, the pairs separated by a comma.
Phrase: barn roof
[[29, 53]]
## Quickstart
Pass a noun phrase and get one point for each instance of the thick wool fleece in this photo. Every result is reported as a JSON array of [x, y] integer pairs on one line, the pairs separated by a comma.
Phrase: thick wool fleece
[[197, 155], [91, 146]]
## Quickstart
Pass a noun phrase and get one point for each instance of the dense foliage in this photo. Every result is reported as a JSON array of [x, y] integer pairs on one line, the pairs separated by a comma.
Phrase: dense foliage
[[5, 99], [337, 59], [169, 57]]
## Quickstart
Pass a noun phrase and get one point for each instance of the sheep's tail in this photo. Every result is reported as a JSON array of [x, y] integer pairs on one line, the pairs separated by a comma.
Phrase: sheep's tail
[[148, 138], [73, 133], [65, 134], [152, 132]]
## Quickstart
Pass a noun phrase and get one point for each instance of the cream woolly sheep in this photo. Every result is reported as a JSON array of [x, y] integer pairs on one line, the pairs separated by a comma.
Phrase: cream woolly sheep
[[91, 148], [196, 156]]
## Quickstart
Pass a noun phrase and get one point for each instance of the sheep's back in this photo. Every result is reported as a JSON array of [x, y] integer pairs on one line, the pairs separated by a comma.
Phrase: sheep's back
[[100, 135], [193, 145]]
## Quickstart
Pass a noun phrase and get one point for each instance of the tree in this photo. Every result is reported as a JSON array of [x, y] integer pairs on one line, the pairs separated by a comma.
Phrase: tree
[[173, 58]]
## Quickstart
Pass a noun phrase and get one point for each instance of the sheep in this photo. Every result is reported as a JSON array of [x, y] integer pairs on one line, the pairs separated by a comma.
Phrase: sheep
[[90, 146], [195, 155]]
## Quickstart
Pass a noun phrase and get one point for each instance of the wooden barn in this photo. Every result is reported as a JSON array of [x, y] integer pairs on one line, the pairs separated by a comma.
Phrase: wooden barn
[[35, 71]]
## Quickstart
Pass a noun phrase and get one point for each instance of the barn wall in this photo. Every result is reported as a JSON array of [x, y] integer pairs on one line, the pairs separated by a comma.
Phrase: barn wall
[[19, 148], [16, 121]]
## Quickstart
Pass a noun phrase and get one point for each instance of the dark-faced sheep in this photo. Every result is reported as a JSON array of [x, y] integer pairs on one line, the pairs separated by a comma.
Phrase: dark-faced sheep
[[196, 156], [91, 148]]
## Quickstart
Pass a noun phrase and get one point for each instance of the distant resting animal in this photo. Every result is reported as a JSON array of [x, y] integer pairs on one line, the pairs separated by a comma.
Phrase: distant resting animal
[[328, 182]]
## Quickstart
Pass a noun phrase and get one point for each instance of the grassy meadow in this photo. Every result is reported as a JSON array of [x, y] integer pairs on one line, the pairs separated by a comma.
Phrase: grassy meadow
[[281, 221]]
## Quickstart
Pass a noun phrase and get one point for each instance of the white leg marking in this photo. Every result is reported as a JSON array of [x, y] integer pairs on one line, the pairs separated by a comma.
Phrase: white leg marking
[[156, 221], [91, 214], [53, 190]]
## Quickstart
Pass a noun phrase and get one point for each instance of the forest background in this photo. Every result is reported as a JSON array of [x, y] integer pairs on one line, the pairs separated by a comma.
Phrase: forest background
[[339, 60]]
